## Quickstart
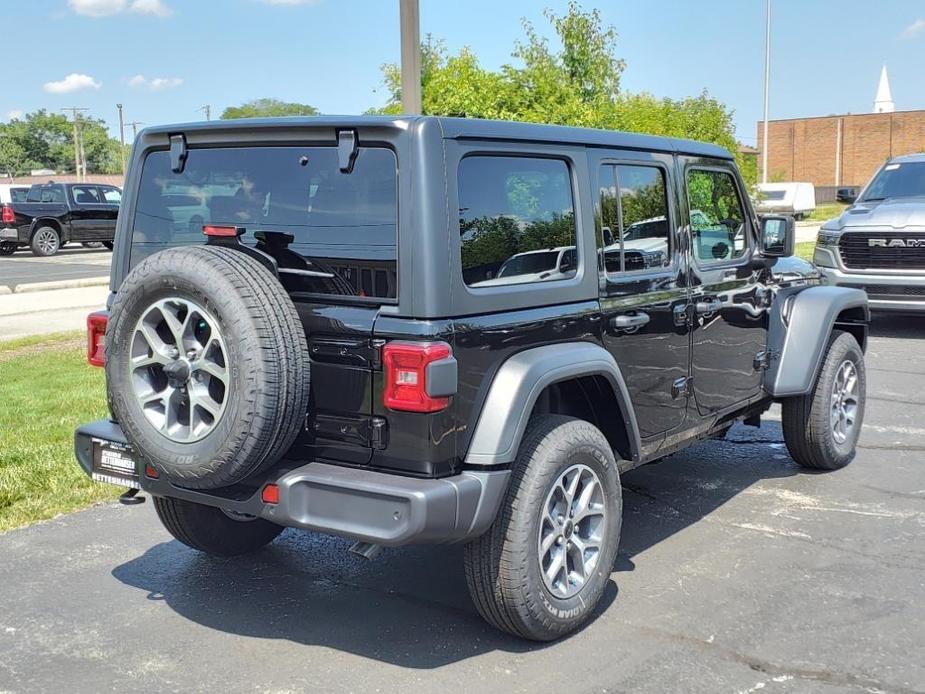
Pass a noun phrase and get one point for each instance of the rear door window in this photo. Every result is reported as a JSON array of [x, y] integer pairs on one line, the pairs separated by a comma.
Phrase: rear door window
[[331, 232], [516, 220], [85, 195]]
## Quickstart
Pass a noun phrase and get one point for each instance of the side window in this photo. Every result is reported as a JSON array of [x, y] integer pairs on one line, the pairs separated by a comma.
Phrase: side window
[[717, 218], [85, 195], [53, 194], [516, 220], [635, 223], [111, 195]]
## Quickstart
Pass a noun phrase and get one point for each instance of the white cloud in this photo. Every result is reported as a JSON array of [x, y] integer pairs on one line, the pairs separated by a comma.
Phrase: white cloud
[[107, 8], [74, 82], [97, 8], [14, 114], [155, 84], [154, 7], [913, 30]]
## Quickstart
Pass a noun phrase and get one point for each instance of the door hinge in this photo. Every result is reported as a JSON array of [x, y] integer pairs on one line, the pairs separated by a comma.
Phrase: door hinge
[[378, 433], [682, 387], [375, 352], [763, 359]]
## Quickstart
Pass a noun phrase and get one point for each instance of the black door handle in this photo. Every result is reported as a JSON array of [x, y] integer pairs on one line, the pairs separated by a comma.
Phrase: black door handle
[[629, 321]]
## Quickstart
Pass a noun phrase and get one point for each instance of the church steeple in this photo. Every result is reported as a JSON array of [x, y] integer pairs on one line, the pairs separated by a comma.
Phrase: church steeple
[[884, 101]]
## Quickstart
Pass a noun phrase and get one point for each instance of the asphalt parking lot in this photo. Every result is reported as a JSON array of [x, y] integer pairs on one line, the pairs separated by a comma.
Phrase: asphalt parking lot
[[69, 264], [737, 572]]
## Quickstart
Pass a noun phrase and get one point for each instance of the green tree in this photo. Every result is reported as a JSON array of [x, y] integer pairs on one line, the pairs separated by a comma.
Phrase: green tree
[[41, 140], [268, 108], [576, 83]]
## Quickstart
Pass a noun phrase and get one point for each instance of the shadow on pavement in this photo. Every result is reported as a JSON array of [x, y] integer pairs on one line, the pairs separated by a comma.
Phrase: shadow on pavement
[[901, 325], [410, 607]]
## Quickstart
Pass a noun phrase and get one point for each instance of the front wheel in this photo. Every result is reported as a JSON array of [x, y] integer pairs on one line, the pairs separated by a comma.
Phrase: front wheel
[[541, 568], [821, 428], [212, 530]]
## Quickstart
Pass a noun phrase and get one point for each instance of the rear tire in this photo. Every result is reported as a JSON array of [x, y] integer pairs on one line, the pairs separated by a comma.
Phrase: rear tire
[[45, 242], [816, 425], [513, 569], [211, 530]]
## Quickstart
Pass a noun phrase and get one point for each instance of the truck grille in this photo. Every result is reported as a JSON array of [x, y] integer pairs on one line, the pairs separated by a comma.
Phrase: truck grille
[[887, 291], [856, 252]]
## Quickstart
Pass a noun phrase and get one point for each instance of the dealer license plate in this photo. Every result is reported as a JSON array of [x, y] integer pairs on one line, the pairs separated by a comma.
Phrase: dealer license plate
[[114, 463]]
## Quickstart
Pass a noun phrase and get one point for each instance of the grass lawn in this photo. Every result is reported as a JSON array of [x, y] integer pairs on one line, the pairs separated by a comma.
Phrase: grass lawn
[[826, 211], [46, 390], [805, 249]]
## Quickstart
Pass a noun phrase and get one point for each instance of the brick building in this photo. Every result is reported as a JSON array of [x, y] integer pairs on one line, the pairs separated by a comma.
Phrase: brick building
[[840, 150]]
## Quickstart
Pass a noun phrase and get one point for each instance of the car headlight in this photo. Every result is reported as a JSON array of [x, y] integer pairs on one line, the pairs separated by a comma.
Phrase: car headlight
[[827, 237]]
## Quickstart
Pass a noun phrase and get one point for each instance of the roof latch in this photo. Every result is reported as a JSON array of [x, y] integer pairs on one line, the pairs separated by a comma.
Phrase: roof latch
[[347, 149], [178, 153]]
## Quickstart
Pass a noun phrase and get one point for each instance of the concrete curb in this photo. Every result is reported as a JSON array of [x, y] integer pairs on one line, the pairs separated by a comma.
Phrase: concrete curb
[[56, 284], [5, 290]]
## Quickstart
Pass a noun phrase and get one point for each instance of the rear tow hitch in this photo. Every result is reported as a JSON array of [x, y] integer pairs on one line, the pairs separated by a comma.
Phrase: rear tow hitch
[[367, 550], [131, 498]]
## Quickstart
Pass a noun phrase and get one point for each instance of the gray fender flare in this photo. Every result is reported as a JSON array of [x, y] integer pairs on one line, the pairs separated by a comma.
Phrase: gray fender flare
[[799, 330], [518, 384]]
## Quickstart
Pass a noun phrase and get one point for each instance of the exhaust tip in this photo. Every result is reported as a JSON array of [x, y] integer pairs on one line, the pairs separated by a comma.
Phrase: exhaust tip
[[366, 550]]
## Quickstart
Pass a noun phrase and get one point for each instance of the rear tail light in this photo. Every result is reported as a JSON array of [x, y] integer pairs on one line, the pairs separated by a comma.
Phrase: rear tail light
[[8, 216], [406, 375], [96, 334]]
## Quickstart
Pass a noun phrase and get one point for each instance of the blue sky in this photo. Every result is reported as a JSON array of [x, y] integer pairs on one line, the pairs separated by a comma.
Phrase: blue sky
[[163, 59]]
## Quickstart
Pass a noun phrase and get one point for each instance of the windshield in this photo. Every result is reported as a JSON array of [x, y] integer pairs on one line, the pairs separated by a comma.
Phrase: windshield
[[529, 264], [897, 181], [293, 202]]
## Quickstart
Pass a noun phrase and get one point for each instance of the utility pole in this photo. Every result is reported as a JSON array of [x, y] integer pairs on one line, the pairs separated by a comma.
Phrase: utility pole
[[207, 110], [80, 165], [121, 137], [767, 81], [410, 16], [135, 124]]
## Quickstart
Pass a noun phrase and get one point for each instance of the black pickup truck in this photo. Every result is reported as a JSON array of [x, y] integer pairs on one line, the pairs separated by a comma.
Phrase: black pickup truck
[[57, 213]]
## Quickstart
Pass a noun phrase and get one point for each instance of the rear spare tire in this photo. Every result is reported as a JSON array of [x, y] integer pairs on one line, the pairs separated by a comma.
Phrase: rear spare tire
[[207, 365]]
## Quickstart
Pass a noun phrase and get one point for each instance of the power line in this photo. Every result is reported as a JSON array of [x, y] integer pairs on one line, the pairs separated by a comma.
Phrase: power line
[[135, 124]]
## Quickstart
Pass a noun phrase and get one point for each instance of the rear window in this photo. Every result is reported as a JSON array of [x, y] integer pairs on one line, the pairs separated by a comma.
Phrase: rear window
[[45, 194], [773, 194], [18, 194], [331, 232]]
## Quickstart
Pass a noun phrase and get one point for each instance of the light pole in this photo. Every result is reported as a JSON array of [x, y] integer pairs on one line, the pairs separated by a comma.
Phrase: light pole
[[122, 136], [410, 15], [767, 80]]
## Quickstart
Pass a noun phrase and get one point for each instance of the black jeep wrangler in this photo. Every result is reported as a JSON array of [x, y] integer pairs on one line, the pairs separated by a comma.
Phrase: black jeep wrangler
[[421, 329]]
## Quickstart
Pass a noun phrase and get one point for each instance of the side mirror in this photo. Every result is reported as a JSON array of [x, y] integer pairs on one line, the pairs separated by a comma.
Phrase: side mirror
[[777, 236]]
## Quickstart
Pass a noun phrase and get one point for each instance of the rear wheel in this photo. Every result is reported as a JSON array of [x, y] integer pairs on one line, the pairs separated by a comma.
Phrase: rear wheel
[[541, 568], [212, 530], [7, 248], [45, 242], [821, 428]]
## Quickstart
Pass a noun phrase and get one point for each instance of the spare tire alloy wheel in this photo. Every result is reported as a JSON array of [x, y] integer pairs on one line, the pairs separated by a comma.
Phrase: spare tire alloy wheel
[[206, 365], [178, 369]]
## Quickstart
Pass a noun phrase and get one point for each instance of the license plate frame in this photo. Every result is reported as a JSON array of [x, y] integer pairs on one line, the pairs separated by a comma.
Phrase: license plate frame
[[114, 463]]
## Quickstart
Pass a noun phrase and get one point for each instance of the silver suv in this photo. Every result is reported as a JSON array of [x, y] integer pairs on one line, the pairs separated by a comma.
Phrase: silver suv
[[878, 244]]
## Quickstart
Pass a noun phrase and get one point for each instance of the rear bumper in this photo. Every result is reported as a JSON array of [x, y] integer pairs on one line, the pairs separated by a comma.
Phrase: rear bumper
[[363, 505], [9, 234]]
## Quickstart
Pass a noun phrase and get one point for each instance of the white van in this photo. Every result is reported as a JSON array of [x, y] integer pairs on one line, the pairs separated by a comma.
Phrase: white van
[[796, 199]]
